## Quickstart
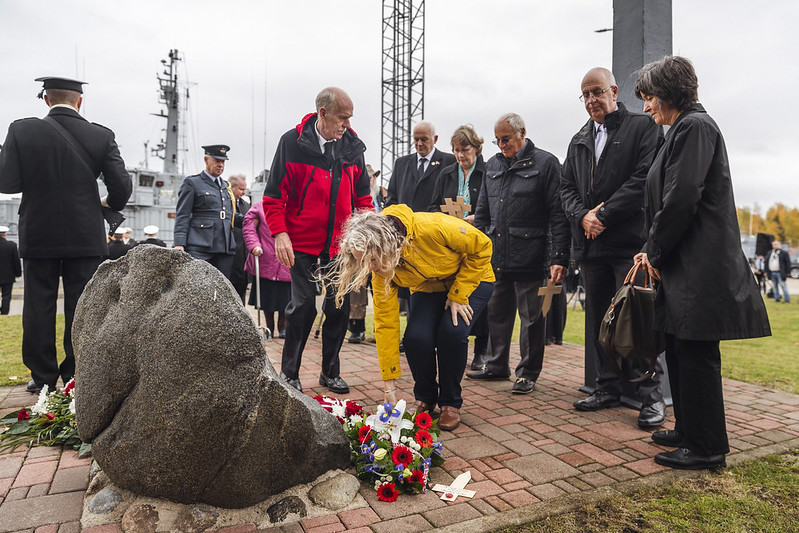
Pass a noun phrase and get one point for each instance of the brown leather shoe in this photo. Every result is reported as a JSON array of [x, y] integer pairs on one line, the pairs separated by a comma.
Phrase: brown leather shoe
[[450, 418], [420, 406]]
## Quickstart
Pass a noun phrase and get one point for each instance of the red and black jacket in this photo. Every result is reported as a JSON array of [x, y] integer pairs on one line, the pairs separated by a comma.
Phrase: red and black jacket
[[308, 197]]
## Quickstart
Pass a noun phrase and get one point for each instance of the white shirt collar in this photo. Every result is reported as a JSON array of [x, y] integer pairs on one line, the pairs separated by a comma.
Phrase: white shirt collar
[[319, 138], [428, 157]]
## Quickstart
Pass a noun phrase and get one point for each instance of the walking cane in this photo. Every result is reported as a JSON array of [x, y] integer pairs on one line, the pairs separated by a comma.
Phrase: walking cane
[[265, 333]]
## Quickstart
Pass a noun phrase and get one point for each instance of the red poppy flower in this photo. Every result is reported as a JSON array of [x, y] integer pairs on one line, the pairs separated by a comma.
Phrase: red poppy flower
[[352, 408], [402, 455], [424, 438], [417, 477], [363, 433], [424, 420], [69, 387], [23, 415], [387, 493]]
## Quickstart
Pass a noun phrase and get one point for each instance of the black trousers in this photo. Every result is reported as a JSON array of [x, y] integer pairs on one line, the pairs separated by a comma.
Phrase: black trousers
[[300, 315], [5, 302], [222, 262], [510, 296], [433, 343], [601, 279], [695, 377], [38, 314]]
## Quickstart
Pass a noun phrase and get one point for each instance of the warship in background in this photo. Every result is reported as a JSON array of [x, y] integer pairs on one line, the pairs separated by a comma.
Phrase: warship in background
[[155, 194]]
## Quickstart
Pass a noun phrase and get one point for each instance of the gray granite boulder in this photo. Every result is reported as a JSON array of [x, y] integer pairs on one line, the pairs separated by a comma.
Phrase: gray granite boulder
[[176, 394]]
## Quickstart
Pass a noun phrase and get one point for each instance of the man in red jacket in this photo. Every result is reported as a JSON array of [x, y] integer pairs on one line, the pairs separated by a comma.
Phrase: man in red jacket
[[318, 178]]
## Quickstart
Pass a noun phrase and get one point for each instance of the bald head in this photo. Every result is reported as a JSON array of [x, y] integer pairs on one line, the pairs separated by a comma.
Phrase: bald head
[[335, 109], [599, 92], [424, 138]]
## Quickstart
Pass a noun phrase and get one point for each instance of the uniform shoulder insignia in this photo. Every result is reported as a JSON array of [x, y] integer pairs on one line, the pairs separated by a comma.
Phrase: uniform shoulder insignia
[[104, 127]]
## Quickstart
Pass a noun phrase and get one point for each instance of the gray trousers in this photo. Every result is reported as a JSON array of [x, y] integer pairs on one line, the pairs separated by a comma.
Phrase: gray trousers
[[509, 297]]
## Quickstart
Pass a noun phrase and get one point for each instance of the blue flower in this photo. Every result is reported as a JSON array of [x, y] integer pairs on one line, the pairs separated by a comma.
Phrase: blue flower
[[368, 449], [373, 469], [438, 447]]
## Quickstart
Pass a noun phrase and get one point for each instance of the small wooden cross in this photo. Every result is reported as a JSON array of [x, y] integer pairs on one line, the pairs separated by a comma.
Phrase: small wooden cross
[[456, 208], [451, 492], [548, 292]]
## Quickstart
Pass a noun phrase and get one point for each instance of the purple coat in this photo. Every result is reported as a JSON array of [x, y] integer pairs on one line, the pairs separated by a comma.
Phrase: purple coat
[[261, 236]]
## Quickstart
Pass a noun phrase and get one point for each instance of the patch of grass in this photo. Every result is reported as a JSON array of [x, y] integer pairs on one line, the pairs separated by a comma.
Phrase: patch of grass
[[757, 495], [12, 371]]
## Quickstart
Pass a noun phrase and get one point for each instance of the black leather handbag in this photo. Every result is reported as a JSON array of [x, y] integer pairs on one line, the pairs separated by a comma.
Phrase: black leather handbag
[[627, 330]]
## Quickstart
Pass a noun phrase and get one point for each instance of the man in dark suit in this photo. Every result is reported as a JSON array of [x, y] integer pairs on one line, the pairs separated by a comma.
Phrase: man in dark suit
[[205, 213], [238, 276], [151, 237], [55, 163], [117, 246], [414, 176], [10, 269]]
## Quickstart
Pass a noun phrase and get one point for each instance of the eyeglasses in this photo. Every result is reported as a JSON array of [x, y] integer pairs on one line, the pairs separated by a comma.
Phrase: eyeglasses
[[596, 93], [502, 140]]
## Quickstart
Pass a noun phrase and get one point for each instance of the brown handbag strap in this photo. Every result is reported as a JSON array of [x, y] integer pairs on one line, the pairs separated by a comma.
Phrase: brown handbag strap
[[633, 273]]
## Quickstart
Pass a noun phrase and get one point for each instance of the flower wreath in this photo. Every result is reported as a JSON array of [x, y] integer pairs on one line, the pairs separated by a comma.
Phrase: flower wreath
[[392, 450]]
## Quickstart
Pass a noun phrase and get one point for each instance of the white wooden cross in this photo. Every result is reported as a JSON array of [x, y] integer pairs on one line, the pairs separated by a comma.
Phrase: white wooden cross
[[451, 492], [548, 292]]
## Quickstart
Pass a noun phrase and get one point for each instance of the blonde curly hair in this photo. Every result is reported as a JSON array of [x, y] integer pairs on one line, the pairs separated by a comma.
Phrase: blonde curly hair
[[375, 237]]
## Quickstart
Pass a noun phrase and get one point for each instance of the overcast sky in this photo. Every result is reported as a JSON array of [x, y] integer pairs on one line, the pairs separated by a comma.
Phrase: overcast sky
[[483, 58]]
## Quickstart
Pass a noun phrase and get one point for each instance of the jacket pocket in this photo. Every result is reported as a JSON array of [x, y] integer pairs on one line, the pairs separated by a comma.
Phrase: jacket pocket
[[529, 185], [525, 245], [201, 232]]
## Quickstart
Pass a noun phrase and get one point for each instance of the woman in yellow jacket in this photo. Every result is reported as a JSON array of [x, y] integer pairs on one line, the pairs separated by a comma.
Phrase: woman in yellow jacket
[[446, 264]]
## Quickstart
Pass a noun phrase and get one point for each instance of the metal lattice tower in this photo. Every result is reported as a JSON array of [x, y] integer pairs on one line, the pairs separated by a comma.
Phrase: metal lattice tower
[[168, 80], [403, 78]]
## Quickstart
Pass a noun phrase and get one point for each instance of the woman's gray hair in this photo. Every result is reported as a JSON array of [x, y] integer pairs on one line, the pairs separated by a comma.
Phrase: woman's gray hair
[[671, 79], [514, 121], [376, 237]]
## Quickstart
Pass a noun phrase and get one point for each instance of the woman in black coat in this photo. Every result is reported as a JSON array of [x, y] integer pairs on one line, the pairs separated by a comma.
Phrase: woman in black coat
[[464, 179], [707, 292]]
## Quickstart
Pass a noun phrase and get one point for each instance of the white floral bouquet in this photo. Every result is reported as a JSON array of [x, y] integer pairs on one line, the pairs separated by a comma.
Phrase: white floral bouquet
[[50, 422], [392, 450]]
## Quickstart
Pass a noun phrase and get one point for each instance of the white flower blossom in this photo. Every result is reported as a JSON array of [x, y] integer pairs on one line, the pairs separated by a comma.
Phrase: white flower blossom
[[339, 410], [72, 406], [389, 420], [41, 406]]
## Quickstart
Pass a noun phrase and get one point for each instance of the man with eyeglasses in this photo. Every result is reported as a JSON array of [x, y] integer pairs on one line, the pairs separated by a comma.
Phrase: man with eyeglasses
[[519, 208], [603, 196]]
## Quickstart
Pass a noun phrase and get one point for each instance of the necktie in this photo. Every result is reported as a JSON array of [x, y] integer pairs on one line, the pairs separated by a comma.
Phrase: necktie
[[420, 169], [329, 150], [219, 183], [599, 141]]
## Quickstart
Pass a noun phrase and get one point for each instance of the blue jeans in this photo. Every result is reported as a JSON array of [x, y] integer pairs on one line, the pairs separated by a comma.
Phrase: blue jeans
[[778, 282], [431, 338]]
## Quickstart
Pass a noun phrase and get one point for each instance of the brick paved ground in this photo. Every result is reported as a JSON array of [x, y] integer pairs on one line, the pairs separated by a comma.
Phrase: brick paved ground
[[529, 456]]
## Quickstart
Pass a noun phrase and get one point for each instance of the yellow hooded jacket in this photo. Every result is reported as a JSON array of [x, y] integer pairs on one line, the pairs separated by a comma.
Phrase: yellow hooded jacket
[[444, 254]]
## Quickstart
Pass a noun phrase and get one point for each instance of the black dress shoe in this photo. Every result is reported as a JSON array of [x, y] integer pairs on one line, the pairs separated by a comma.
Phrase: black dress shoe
[[336, 384], [598, 400], [485, 373], [292, 382], [33, 388], [652, 415], [523, 386], [685, 459], [356, 338], [667, 437]]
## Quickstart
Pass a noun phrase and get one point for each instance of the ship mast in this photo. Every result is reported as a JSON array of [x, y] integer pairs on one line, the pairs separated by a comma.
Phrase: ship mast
[[169, 96]]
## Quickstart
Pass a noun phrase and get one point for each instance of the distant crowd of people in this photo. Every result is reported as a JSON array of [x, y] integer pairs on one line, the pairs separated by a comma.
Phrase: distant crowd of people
[[460, 243]]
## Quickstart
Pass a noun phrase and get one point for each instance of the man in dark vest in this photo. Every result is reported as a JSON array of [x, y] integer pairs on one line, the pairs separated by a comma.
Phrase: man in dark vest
[[205, 213], [55, 163]]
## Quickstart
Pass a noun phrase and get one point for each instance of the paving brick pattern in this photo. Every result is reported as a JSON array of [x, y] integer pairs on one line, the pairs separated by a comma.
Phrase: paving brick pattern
[[524, 453]]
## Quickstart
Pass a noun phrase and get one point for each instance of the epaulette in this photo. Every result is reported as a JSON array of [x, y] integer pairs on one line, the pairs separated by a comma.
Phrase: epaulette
[[105, 127], [26, 118]]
